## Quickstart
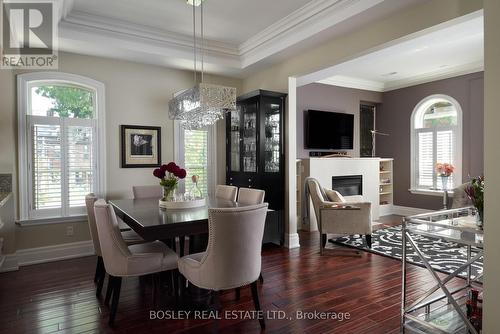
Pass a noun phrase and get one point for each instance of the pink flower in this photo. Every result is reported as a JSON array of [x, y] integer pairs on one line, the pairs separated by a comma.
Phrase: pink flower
[[159, 173], [171, 167], [181, 173]]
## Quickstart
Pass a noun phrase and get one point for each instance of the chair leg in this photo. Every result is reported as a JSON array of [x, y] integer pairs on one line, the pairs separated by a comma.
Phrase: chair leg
[[175, 274], [368, 238], [255, 296], [109, 290], [261, 279], [237, 293], [322, 243], [117, 285], [98, 269]]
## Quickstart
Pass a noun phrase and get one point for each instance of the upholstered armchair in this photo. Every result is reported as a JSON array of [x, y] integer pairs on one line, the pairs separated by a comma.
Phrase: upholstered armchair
[[224, 192], [335, 220]]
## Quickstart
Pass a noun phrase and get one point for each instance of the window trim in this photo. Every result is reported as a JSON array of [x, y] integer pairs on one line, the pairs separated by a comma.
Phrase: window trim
[[458, 150], [212, 154], [24, 84]]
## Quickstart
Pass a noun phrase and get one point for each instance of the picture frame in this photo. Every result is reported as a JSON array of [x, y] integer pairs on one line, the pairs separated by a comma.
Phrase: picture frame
[[140, 146]]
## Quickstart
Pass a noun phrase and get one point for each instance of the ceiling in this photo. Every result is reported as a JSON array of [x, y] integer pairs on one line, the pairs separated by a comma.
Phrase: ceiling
[[241, 36], [450, 50], [232, 21]]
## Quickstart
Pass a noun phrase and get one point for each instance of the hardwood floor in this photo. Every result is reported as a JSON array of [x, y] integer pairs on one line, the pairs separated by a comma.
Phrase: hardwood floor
[[60, 296]]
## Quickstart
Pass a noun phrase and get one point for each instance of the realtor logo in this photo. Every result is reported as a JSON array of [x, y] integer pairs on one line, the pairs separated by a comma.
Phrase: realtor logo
[[29, 34]]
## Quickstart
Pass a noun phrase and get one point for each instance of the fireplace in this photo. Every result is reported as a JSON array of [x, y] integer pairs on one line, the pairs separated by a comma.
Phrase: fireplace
[[348, 185]]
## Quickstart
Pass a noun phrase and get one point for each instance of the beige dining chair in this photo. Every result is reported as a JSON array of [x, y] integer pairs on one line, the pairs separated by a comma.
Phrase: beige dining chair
[[250, 196], [224, 192], [233, 256], [122, 260], [155, 191], [129, 236]]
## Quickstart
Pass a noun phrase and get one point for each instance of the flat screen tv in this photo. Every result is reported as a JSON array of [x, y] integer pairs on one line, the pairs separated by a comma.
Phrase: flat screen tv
[[329, 130]]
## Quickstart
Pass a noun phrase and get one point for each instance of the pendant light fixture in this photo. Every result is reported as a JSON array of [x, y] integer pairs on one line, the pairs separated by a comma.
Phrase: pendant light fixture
[[205, 103]]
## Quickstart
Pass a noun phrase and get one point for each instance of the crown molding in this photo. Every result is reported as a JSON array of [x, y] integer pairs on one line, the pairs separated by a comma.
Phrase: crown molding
[[311, 19], [356, 83], [86, 33], [446, 73], [378, 86]]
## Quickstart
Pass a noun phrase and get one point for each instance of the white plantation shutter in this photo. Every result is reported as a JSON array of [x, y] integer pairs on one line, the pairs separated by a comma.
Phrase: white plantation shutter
[[425, 172], [46, 167], [444, 152], [62, 165], [196, 157], [80, 167]]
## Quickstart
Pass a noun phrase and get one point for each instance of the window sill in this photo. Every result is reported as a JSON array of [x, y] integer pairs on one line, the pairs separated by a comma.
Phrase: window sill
[[54, 220], [430, 192]]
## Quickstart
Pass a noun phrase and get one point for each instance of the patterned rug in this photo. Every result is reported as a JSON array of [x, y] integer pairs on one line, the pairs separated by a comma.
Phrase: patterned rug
[[443, 255]]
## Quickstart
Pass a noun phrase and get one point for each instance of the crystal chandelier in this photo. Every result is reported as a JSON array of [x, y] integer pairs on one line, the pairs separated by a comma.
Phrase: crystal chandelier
[[204, 104]]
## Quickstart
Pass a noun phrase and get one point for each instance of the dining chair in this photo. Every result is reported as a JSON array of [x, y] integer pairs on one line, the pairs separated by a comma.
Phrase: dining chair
[[122, 260], [233, 256], [226, 192], [251, 196], [129, 236], [155, 191], [248, 196]]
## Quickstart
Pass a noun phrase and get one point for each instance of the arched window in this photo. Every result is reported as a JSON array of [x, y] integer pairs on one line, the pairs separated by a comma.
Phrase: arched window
[[436, 137], [61, 143]]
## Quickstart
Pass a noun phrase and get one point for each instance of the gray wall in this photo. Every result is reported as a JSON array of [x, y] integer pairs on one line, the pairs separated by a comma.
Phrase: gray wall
[[394, 118], [331, 98]]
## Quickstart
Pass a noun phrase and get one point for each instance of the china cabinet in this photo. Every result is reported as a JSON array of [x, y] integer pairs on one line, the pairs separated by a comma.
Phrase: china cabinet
[[255, 152]]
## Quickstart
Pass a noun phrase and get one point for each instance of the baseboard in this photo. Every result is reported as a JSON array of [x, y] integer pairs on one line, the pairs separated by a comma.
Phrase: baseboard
[[292, 240], [407, 211], [25, 257]]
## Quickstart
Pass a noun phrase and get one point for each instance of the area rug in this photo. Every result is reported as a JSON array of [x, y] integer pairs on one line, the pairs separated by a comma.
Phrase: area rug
[[443, 255]]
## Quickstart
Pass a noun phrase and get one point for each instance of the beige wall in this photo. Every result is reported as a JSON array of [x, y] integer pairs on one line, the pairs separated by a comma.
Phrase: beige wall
[[492, 165], [136, 94]]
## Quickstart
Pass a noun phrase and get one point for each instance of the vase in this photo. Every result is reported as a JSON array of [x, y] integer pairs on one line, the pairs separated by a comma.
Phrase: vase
[[444, 182], [169, 194], [479, 218]]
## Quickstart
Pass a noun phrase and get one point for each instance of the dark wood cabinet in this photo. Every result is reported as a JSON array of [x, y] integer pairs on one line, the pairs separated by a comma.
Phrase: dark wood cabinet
[[255, 156]]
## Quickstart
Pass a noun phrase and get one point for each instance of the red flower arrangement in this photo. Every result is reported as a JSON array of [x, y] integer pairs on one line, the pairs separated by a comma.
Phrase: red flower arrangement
[[169, 176], [444, 169]]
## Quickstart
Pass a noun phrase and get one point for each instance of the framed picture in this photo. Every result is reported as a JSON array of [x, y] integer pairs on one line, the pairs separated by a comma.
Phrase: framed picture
[[140, 146]]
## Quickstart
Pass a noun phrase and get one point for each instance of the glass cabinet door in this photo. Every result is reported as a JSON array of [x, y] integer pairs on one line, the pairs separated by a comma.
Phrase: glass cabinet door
[[249, 133], [272, 132], [235, 140]]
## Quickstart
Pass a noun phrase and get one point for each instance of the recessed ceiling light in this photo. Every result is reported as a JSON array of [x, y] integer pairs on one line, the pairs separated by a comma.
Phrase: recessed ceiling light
[[195, 3], [389, 74], [443, 66]]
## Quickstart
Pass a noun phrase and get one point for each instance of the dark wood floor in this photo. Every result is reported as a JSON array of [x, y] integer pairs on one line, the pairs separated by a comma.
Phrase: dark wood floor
[[60, 296]]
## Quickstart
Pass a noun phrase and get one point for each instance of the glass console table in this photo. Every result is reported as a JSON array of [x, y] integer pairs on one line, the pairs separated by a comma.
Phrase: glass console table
[[441, 309]]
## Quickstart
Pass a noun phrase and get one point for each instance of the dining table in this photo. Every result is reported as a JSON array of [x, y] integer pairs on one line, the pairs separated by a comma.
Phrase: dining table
[[151, 222]]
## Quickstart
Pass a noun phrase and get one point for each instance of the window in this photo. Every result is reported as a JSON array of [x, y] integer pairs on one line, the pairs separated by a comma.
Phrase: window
[[195, 151], [61, 121], [436, 135]]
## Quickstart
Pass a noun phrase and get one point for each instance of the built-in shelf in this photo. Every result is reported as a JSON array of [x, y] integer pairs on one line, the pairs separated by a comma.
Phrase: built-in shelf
[[386, 186]]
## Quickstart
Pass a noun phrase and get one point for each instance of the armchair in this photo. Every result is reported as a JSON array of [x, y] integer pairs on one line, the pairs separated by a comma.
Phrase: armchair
[[335, 220]]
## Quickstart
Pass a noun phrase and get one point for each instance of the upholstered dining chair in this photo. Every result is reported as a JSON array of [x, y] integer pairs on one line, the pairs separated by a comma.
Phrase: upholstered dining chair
[[121, 260], [338, 221], [226, 192], [233, 255], [251, 196], [129, 236], [155, 191], [248, 196]]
